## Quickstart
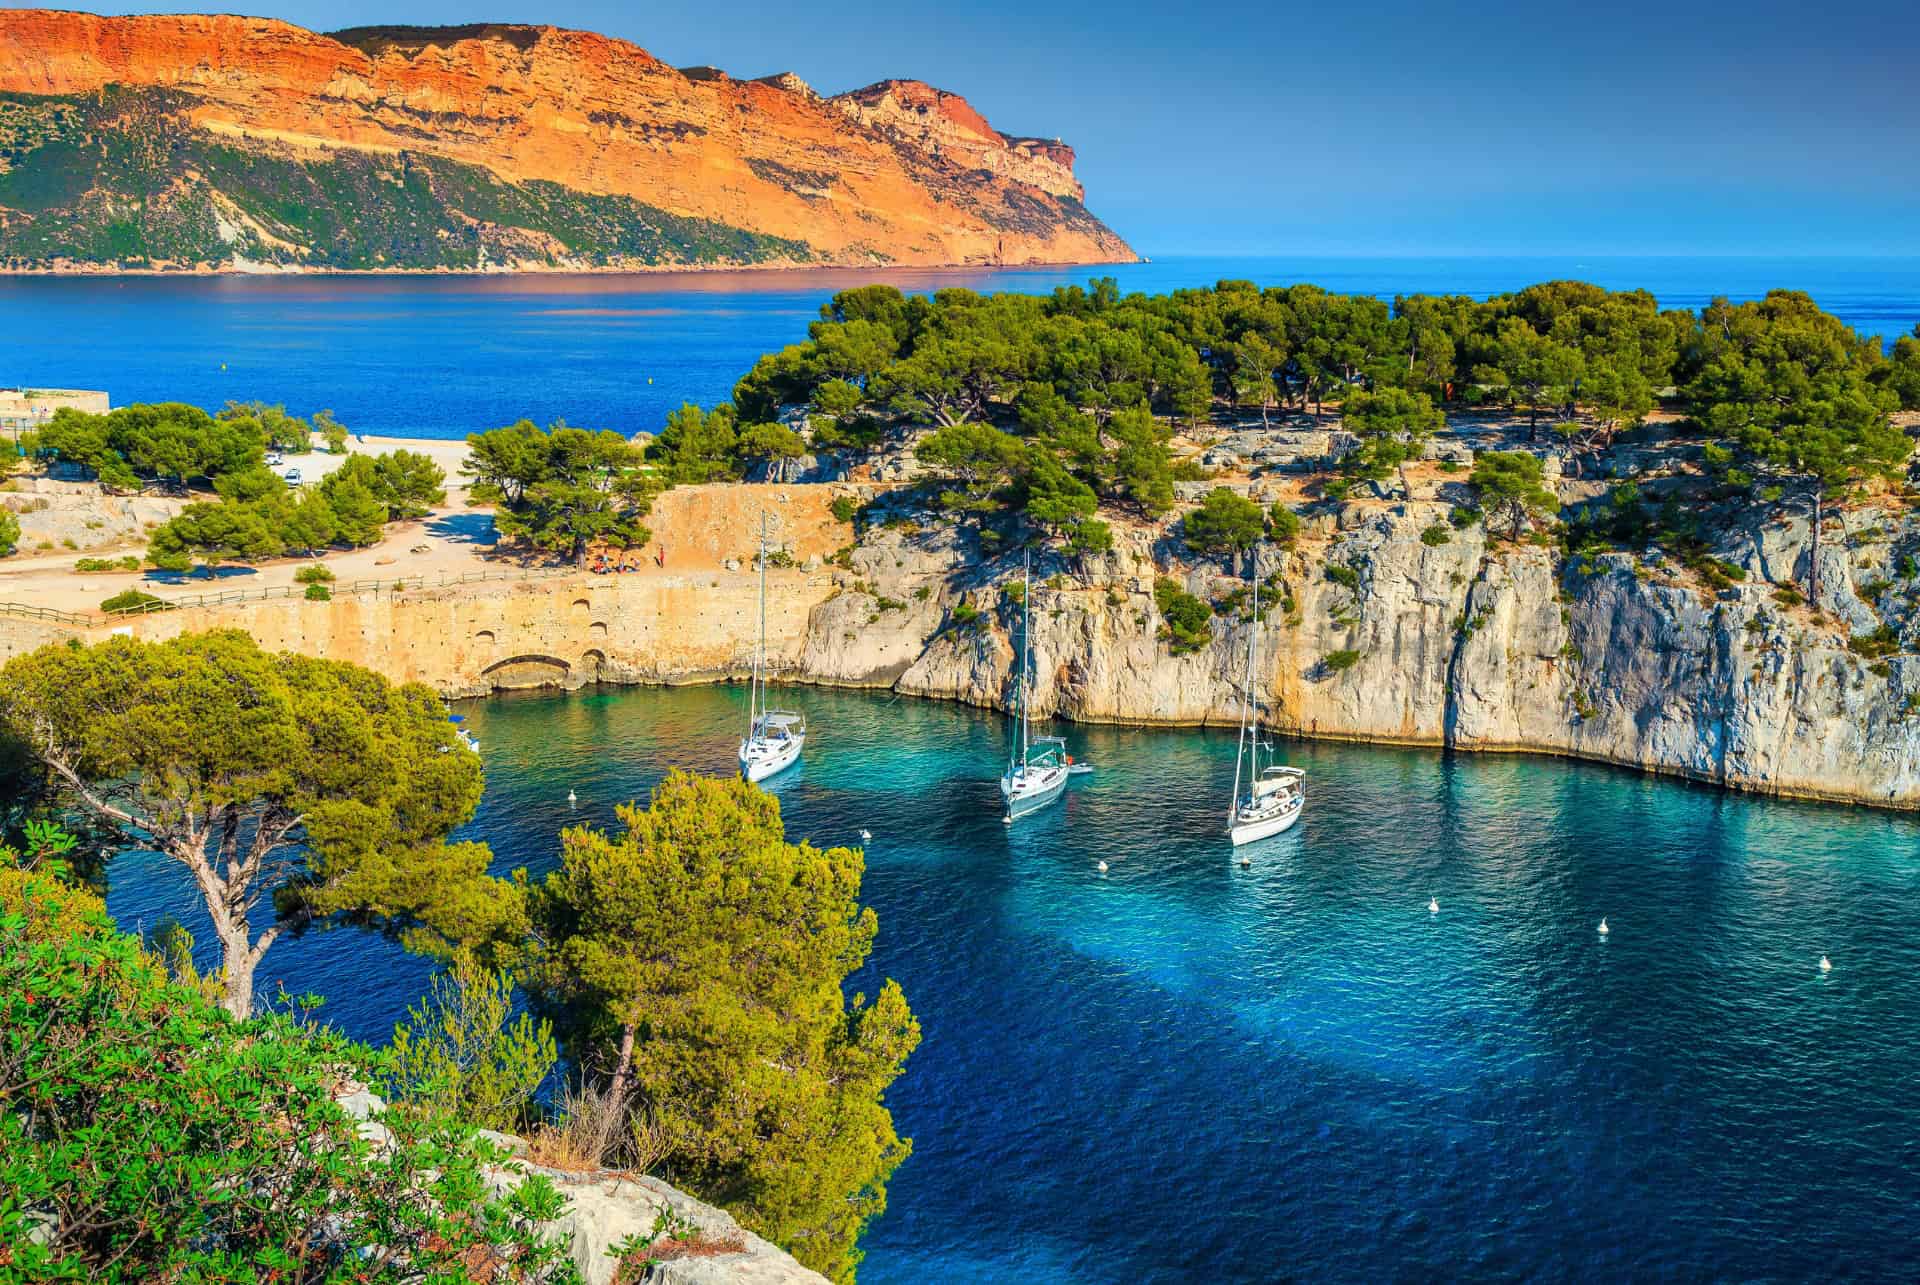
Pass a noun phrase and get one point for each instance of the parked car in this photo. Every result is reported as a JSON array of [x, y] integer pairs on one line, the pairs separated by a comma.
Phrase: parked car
[[275, 459], [293, 477]]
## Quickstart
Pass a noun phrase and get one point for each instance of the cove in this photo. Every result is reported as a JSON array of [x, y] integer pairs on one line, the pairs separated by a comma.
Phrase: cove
[[1183, 1069]]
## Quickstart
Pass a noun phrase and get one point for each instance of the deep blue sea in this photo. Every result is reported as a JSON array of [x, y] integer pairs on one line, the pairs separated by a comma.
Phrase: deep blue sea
[[1181, 1069], [446, 356]]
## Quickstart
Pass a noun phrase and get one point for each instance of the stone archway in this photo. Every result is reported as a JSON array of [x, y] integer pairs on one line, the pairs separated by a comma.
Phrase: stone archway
[[518, 672], [592, 667]]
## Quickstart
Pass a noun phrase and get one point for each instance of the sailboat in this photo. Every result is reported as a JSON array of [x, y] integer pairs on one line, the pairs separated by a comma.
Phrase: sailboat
[[1276, 795], [1038, 770], [775, 737]]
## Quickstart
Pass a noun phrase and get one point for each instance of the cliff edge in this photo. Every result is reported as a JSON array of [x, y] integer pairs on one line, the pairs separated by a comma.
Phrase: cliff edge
[[213, 142]]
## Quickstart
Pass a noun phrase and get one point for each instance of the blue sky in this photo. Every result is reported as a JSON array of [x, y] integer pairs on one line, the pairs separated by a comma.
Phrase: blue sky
[[1390, 128]]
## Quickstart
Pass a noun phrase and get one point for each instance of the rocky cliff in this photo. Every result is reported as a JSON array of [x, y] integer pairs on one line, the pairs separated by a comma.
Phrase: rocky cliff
[[1376, 632], [1467, 644], [219, 141]]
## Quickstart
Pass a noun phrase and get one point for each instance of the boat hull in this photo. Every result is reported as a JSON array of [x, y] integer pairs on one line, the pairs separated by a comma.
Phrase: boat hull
[[1032, 797], [1265, 828], [762, 759]]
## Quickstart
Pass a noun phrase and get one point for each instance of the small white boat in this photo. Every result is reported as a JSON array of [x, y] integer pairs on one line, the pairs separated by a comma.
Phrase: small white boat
[[1271, 807], [1276, 794], [775, 737], [1037, 778], [1037, 773], [773, 744]]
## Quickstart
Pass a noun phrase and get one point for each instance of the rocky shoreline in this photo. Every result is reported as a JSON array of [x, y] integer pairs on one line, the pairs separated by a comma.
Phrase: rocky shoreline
[[1390, 626]]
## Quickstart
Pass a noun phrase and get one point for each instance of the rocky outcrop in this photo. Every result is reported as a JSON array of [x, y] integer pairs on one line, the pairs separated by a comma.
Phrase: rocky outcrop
[[478, 118], [1459, 644], [605, 1208], [932, 121]]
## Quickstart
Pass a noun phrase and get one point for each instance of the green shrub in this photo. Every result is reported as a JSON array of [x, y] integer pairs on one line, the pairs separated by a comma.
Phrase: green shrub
[[965, 615], [462, 1052], [1187, 618], [1089, 536], [93, 565], [321, 593], [1342, 574], [147, 1136], [1339, 661], [1436, 535], [845, 508], [313, 574], [1225, 522], [1283, 524], [1884, 641], [132, 600]]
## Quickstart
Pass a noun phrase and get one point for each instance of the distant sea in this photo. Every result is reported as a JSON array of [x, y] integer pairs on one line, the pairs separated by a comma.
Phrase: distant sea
[[446, 356]]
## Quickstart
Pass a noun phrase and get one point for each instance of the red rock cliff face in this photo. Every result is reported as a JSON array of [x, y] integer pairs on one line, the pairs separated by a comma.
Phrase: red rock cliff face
[[898, 173]]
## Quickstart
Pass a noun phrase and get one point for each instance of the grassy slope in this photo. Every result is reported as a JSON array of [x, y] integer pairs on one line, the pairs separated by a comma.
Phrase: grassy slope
[[120, 180]]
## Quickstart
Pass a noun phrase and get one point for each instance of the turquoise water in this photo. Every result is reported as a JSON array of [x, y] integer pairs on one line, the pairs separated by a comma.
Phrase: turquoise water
[[446, 356], [1182, 1069]]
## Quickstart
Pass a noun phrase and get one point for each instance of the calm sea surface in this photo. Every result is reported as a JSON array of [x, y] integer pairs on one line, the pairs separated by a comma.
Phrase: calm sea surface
[[1185, 1070], [446, 356]]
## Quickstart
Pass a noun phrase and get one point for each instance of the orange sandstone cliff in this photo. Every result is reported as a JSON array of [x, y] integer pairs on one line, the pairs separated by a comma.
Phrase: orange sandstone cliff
[[216, 142]]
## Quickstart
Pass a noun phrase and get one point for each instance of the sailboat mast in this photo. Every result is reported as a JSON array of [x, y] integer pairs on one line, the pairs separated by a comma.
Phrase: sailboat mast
[[1026, 659], [1246, 701], [760, 644], [1253, 696]]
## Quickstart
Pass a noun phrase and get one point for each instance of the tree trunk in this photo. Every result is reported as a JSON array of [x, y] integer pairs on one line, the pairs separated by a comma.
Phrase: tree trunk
[[1813, 554], [618, 1091], [238, 959]]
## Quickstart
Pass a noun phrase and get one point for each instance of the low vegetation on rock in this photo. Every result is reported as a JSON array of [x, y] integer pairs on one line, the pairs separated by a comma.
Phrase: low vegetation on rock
[[146, 1134]]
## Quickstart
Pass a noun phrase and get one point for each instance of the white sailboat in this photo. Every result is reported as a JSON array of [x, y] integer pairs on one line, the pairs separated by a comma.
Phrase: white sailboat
[[1038, 770], [775, 737], [1276, 795]]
